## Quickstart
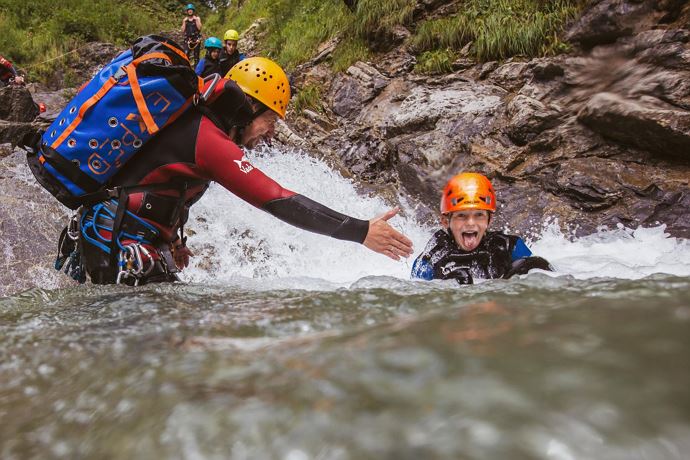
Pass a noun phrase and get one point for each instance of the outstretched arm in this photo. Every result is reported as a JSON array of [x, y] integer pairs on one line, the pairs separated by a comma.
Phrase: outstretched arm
[[226, 164]]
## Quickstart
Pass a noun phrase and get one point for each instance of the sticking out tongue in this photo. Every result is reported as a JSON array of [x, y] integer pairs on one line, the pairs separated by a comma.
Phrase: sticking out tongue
[[470, 240]]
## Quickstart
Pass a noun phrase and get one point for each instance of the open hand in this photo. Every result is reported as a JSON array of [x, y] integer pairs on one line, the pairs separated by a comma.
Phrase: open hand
[[386, 240], [181, 255]]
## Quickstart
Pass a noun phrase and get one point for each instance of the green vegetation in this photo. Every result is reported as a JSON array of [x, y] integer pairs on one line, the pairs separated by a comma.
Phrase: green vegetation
[[348, 52], [374, 17], [41, 35], [308, 97], [294, 29], [499, 29], [435, 62]]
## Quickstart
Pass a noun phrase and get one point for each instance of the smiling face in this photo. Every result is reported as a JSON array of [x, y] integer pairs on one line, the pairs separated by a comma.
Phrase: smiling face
[[262, 128], [214, 53], [190, 12], [467, 227]]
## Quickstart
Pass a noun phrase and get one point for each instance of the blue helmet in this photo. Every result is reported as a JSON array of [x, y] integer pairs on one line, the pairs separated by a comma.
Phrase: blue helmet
[[190, 6], [213, 42]]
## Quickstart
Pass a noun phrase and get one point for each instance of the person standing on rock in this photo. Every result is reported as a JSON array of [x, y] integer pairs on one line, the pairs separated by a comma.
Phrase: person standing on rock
[[203, 145], [230, 55], [210, 63], [463, 249], [8, 74], [191, 28]]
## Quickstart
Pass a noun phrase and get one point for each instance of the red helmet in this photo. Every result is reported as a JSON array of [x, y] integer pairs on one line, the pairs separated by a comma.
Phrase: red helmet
[[468, 191]]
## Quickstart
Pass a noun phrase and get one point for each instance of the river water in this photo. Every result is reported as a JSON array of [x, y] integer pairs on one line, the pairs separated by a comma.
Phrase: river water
[[282, 344]]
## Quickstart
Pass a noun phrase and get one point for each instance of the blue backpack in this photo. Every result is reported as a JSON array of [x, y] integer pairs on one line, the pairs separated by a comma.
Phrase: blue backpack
[[112, 117]]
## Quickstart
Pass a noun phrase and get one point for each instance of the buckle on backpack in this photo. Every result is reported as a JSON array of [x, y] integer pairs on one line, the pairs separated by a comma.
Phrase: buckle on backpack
[[121, 72]]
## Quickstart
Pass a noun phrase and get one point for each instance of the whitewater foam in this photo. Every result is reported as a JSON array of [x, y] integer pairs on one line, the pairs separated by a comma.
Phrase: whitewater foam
[[234, 241]]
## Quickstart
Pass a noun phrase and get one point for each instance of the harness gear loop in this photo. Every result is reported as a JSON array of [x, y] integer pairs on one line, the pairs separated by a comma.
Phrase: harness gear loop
[[134, 261]]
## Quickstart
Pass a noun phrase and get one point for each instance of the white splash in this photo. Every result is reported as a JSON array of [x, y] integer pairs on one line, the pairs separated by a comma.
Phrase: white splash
[[233, 239], [235, 242], [618, 253]]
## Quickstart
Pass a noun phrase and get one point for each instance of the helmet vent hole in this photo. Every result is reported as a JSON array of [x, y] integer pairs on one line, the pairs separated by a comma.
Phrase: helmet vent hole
[[270, 76], [258, 75], [256, 91], [265, 79]]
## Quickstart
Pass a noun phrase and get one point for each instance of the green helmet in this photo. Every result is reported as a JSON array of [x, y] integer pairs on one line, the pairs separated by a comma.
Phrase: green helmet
[[231, 34]]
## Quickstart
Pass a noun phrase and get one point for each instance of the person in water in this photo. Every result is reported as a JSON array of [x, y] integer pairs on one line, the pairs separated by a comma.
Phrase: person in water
[[191, 28], [464, 249], [230, 55], [210, 63], [205, 144], [8, 74]]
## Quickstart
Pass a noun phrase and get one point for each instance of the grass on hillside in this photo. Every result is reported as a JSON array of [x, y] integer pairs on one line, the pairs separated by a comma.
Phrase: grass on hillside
[[38, 35], [499, 29], [294, 29], [308, 97]]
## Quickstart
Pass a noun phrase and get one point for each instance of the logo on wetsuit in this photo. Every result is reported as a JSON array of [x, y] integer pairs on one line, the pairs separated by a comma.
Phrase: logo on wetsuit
[[244, 165]]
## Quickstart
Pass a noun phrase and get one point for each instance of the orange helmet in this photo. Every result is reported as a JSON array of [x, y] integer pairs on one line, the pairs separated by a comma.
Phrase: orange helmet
[[468, 191]]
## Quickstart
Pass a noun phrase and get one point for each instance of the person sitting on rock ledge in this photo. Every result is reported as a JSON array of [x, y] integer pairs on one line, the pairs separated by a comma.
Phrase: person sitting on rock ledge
[[463, 249], [8, 74]]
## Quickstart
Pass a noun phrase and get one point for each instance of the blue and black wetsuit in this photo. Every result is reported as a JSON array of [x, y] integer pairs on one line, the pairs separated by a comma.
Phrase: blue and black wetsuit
[[208, 66], [227, 61], [497, 256]]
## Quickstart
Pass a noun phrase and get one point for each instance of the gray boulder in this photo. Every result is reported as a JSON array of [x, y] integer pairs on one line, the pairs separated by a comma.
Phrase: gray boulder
[[662, 131]]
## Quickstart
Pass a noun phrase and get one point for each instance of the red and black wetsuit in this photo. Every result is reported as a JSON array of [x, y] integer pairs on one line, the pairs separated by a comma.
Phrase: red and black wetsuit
[[193, 151], [7, 71]]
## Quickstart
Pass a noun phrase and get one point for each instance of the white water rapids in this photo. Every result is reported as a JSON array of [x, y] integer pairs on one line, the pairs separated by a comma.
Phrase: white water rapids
[[234, 241]]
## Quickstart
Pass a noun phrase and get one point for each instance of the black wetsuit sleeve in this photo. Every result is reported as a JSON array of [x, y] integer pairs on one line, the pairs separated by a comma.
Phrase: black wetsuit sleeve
[[307, 214]]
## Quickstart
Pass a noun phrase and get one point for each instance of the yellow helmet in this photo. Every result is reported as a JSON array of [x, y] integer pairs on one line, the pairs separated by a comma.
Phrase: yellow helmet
[[264, 80], [231, 34]]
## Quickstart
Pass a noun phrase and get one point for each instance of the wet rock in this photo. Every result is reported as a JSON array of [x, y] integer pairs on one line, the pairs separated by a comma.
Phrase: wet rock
[[510, 76], [546, 69], [607, 21], [396, 62], [14, 131], [455, 104], [664, 48], [54, 101], [287, 136], [528, 118], [83, 64], [5, 150], [16, 104], [30, 223], [665, 132], [360, 84], [487, 68]]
